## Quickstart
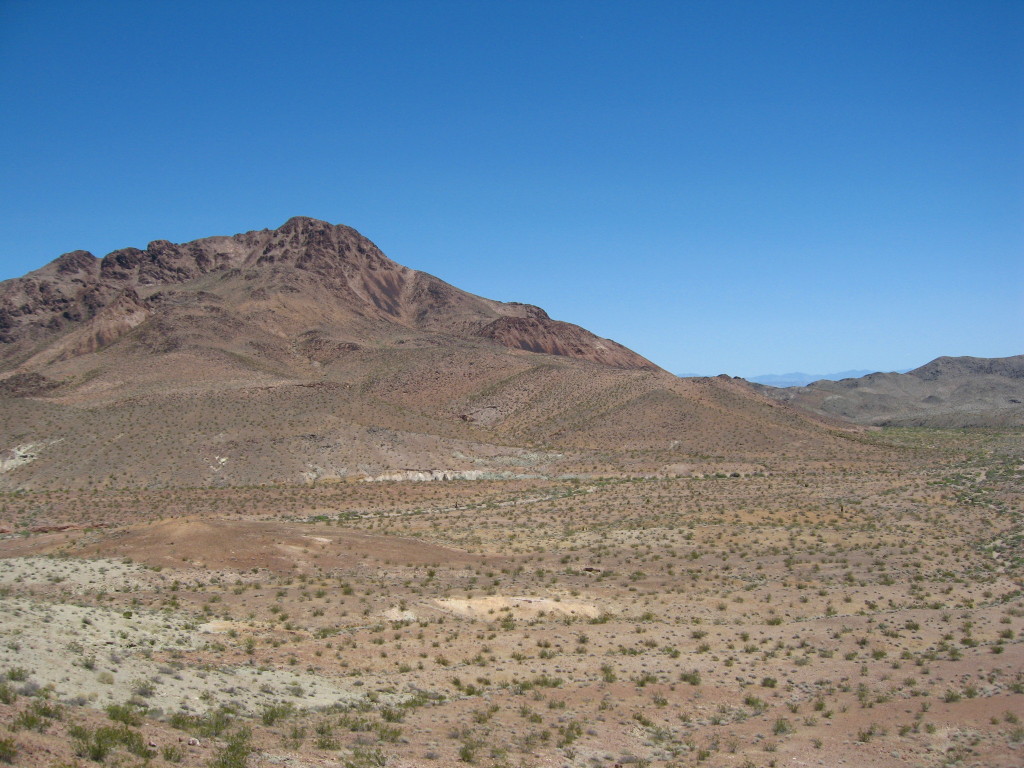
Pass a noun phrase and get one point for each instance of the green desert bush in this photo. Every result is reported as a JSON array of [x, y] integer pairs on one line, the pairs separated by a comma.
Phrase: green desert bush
[[236, 752], [8, 750]]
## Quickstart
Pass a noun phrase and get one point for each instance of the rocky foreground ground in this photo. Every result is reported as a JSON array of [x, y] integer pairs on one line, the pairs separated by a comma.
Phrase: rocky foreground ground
[[852, 612]]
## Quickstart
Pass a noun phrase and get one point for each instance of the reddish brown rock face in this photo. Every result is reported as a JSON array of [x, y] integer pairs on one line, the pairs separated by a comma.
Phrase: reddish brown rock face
[[332, 276], [552, 337]]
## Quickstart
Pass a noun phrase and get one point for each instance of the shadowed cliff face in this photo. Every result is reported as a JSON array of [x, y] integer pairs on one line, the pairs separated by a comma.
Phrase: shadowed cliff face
[[306, 278]]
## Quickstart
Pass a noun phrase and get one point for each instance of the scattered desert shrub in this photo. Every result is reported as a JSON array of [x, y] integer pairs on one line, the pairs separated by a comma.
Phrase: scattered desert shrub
[[236, 752], [213, 723], [275, 712], [124, 713], [8, 750], [97, 744]]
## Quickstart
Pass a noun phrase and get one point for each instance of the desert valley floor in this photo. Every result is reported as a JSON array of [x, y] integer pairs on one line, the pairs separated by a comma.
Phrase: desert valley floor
[[861, 610]]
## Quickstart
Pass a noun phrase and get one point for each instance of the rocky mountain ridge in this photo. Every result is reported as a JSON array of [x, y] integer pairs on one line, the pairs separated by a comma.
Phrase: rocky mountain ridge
[[307, 277], [799, 379], [304, 355], [946, 392]]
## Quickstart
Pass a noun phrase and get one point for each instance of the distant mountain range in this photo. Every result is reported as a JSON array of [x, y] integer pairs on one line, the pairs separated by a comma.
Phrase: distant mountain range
[[947, 392], [800, 379]]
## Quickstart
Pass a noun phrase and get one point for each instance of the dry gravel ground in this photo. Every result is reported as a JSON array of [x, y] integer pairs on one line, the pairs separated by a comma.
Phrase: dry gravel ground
[[842, 613], [107, 655]]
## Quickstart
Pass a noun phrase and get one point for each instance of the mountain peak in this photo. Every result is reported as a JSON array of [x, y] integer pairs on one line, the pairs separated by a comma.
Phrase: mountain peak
[[303, 223], [256, 288], [74, 262], [948, 367], [947, 392]]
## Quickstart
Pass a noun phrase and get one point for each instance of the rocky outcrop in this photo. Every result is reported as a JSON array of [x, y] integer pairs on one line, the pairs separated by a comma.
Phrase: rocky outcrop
[[552, 337], [26, 385]]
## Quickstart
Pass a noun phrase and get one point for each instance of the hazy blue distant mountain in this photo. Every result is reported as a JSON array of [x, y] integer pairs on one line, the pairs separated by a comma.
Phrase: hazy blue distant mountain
[[801, 379]]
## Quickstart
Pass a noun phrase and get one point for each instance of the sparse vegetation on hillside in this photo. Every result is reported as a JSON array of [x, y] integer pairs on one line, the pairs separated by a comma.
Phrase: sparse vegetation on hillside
[[867, 607]]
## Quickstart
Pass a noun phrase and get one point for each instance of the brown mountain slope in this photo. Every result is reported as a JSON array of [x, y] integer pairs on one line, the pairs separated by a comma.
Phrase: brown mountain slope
[[303, 353], [308, 279], [947, 392], [405, 412]]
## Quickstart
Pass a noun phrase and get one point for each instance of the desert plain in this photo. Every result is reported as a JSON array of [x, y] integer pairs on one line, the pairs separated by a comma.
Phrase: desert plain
[[863, 608]]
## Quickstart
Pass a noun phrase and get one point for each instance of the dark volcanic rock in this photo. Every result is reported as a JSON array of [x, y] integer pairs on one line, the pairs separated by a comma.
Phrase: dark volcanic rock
[[76, 262], [26, 385]]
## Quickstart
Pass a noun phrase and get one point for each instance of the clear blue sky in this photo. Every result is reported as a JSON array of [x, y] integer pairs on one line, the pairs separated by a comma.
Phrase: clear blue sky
[[739, 187]]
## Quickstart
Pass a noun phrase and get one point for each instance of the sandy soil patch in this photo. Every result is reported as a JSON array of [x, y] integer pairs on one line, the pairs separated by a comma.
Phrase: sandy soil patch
[[74, 576], [520, 607], [108, 656], [241, 545]]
